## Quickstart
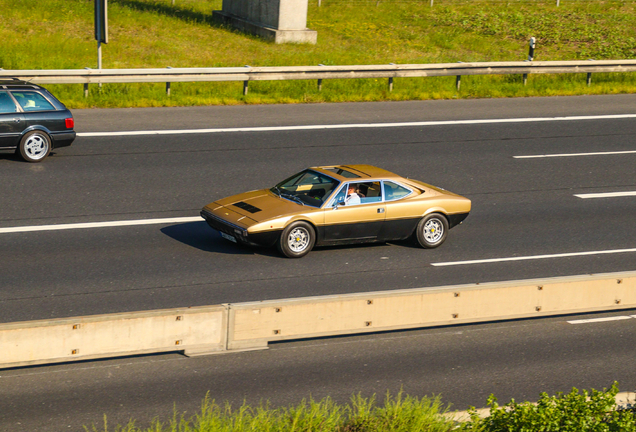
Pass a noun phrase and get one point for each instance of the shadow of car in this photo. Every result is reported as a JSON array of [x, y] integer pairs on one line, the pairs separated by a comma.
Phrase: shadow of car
[[32, 120]]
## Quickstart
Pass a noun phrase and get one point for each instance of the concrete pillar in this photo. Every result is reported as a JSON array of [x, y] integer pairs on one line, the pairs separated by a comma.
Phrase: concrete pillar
[[284, 21]]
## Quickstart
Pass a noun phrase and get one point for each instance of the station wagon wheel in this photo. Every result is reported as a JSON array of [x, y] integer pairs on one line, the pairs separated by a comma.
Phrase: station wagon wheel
[[297, 240], [432, 230], [35, 146]]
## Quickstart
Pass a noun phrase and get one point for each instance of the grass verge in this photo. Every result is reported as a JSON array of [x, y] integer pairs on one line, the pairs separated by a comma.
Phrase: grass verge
[[584, 411], [58, 34]]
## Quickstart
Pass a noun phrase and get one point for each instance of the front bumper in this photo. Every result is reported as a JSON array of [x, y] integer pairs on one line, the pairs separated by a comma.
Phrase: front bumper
[[241, 235]]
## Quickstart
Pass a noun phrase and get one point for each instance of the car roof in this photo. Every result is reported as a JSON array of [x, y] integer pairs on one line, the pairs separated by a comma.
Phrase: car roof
[[12, 83], [361, 171]]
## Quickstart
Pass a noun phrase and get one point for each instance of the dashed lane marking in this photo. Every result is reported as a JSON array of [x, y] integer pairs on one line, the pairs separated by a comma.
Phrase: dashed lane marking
[[533, 257], [575, 154], [58, 227], [606, 195]]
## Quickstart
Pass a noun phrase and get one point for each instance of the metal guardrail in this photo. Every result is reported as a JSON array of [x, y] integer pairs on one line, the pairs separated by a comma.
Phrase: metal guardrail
[[253, 325], [320, 72]]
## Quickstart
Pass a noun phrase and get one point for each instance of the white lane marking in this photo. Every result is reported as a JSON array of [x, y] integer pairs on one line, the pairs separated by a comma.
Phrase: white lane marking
[[606, 195], [574, 154], [596, 320], [355, 125], [533, 257], [99, 224]]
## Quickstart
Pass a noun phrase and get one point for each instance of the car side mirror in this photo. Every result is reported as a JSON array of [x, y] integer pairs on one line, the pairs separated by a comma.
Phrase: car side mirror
[[338, 203]]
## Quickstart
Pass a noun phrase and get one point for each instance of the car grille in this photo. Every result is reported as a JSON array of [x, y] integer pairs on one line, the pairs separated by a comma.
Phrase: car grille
[[247, 207], [221, 225]]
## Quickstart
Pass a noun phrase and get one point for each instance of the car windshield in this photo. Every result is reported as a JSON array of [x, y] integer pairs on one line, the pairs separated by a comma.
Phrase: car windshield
[[306, 188]]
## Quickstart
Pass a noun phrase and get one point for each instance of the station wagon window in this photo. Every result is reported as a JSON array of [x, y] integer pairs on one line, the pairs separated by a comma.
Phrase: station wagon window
[[7, 105], [32, 101], [393, 191]]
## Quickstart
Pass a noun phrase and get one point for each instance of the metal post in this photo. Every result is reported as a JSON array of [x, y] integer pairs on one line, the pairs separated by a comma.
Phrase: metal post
[[99, 59], [589, 79], [245, 84], [533, 44], [168, 85], [557, 3], [458, 82], [431, 3], [86, 85], [390, 84], [320, 80]]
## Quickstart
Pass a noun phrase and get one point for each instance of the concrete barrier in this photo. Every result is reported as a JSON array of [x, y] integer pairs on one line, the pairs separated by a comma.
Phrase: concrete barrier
[[197, 330], [245, 326], [253, 325]]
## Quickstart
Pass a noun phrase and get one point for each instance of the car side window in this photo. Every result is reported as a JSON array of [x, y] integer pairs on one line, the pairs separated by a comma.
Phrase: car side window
[[6, 103], [370, 192], [362, 193], [393, 191], [32, 101]]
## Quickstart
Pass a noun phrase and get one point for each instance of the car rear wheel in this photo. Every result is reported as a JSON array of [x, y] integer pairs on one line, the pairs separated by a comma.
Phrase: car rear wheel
[[297, 240], [432, 230], [35, 146]]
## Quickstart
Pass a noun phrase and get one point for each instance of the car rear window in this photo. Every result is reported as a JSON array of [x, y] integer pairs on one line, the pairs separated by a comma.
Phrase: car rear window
[[32, 101], [393, 191], [6, 103]]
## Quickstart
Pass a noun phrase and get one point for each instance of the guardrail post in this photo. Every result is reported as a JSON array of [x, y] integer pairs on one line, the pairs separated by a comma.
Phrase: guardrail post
[[589, 76], [458, 80], [320, 80], [86, 85], [168, 83], [245, 84], [533, 44], [390, 84]]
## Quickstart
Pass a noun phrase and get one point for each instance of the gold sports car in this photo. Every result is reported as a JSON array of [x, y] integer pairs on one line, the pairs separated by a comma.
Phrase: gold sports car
[[332, 205]]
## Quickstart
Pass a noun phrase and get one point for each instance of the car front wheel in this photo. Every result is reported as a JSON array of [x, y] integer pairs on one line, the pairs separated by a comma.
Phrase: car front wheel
[[297, 240], [35, 146], [432, 230]]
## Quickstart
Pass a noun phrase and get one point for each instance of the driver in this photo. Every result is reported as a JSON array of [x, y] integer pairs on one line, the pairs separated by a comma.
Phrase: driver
[[352, 196]]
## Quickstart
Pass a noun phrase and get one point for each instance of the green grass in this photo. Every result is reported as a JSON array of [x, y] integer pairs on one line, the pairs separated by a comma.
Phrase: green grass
[[576, 411], [398, 414], [58, 34]]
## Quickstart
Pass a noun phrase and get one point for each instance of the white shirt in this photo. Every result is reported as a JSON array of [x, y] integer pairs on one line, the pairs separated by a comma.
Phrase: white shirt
[[354, 198]]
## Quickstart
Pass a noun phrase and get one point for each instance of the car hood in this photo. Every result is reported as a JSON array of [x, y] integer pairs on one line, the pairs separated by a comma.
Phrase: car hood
[[259, 205]]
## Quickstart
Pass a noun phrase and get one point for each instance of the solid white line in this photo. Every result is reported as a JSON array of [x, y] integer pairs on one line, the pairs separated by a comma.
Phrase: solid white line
[[534, 257], [575, 154], [606, 195], [98, 224], [355, 125], [596, 320]]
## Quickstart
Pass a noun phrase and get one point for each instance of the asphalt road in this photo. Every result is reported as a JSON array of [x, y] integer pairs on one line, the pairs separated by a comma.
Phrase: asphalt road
[[521, 207]]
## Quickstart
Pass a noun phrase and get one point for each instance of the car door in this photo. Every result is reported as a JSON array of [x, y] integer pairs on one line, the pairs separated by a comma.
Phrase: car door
[[355, 222], [12, 122]]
